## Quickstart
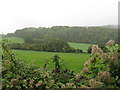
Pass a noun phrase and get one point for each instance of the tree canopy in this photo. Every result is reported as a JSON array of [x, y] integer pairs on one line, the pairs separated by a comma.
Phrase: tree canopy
[[90, 35]]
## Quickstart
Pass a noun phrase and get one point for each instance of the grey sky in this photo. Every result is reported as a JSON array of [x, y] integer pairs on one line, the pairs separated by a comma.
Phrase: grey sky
[[17, 14]]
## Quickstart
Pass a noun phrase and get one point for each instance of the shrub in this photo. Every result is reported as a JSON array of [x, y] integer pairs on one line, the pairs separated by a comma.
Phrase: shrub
[[102, 70], [89, 49]]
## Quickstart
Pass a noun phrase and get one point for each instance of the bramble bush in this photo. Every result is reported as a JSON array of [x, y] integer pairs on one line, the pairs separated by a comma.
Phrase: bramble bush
[[100, 71]]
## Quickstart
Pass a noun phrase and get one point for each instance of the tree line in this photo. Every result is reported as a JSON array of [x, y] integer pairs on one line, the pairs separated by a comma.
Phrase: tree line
[[56, 45], [89, 35]]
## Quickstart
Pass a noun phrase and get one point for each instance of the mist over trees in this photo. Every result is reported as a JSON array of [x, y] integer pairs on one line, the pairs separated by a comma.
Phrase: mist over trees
[[90, 35]]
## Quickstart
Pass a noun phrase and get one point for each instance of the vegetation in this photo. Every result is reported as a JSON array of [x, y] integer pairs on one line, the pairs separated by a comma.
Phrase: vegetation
[[42, 38], [89, 35], [17, 75], [102, 46], [100, 71], [16, 40], [73, 61], [55, 45], [82, 46]]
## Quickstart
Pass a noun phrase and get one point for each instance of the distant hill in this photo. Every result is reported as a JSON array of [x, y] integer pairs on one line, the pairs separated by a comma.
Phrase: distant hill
[[111, 26], [88, 35]]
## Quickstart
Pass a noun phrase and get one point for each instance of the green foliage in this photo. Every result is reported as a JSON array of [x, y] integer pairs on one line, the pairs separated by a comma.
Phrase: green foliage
[[60, 73], [17, 75], [56, 45], [102, 46], [90, 35], [102, 70], [89, 49], [15, 40]]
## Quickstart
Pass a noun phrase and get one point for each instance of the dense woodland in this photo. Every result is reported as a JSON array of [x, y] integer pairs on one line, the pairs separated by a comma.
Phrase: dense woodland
[[90, 35]]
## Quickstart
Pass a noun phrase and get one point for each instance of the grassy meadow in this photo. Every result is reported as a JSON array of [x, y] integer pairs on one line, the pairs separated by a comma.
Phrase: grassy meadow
[[82, 46], [73, 61]]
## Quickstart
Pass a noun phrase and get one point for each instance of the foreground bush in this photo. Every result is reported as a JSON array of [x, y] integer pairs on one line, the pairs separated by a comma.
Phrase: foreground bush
[[17, 75], [102, 69]]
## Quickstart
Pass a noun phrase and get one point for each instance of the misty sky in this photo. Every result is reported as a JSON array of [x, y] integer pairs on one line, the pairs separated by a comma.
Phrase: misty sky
[[18, 14]]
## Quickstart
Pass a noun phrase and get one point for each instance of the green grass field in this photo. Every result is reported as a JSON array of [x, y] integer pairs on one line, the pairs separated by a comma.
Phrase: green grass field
[[82, 46], [73, 61]]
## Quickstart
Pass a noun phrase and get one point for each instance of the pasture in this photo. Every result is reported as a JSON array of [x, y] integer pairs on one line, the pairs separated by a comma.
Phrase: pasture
[[73, 61], [82, 46]]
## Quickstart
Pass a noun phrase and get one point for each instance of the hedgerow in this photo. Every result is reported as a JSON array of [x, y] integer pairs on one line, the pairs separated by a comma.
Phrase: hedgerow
[[56, 45]]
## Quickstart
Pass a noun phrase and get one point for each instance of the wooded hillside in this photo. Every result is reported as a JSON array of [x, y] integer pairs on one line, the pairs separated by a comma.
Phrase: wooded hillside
[[90, 35]]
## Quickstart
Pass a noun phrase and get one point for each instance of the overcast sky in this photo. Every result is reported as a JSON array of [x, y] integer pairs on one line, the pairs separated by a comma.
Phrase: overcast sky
[[18, 14]]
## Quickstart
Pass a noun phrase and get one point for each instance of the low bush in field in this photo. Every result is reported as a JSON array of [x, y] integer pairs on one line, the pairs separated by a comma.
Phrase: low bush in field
[[100, 71]]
